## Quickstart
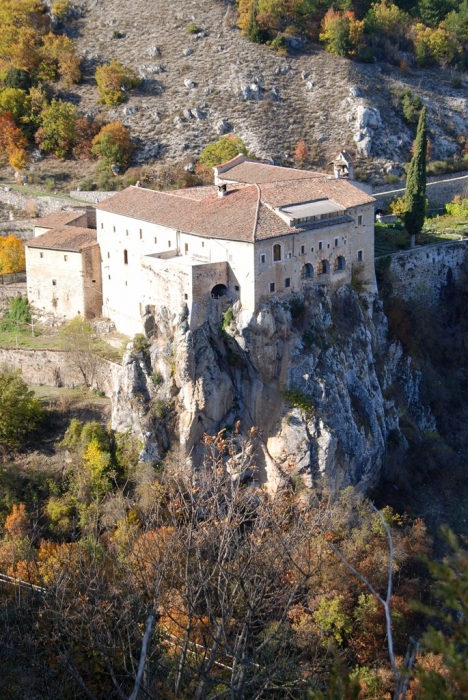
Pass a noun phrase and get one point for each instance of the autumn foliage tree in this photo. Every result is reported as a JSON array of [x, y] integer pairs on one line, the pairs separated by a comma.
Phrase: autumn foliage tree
[[113, 145], [12, 142], [12, 258], [301, 152], [113, 81]]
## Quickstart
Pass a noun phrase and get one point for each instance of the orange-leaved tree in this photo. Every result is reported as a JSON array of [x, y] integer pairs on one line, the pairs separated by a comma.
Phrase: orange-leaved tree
[[12, 258]]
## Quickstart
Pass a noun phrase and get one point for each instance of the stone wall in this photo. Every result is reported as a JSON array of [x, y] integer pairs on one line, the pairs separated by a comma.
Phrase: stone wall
[[92, 197], [39, 205], [425, 270], [439, 191], [58, 368]]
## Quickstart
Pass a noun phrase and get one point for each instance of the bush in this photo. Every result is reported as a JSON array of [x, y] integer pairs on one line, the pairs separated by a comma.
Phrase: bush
[[157, 378], [298, 399], [160, 409], [57, 133], [192, 28], [141, 343], [20, 411], [113, 80], [411, 105], [17, 316], [227, 319], [113, 145], [223, 150]]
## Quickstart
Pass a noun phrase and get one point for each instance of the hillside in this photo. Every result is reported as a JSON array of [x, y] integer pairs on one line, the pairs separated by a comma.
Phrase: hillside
[[269, 100]]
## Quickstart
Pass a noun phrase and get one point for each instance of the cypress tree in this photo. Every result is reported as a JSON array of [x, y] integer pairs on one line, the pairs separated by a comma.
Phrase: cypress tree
[[415, 196], [253, 30]]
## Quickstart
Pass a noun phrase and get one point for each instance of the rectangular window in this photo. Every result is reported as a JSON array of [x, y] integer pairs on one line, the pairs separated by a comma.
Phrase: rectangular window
[[186, 248], [328, 245], [185, 297], [141, 234], [203, 244], [289, 255], [312, 249], [54, 283], [108, 276], [169, 244], [113, 228], [359, 220], [262, 258], [65, 257], [302, 249], [360, 255], [155, 240], [287, 282], [272, 286], [102, 225], [320, 245], [125, 257], [236, 287], [336, 242], [41, 255], [108, 255], [126, 232]]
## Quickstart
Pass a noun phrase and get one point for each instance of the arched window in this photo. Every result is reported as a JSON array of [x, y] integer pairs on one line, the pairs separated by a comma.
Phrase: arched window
[[219, 290], [276, 252], [339, 264], [323, 267], [307, 271]]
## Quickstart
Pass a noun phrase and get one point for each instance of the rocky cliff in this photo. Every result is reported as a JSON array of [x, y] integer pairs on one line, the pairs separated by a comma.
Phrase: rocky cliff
[[315, 374]]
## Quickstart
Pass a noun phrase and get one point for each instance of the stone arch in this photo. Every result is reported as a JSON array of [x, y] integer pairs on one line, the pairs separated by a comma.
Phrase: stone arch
[[339, 264], [277, 253], [323, 267], [218, 291], [307, 271]]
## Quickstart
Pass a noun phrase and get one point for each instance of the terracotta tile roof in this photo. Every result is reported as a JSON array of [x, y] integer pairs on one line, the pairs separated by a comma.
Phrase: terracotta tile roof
[[244, 214], [251, 172], [69, 238], [58, 218], [280, 194], [232, 216]]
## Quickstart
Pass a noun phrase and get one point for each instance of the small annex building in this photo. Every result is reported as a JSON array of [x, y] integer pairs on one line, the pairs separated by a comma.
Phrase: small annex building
[[260, 230], [63, 265]]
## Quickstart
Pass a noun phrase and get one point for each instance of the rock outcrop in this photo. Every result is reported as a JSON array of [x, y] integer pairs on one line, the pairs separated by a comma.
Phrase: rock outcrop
[[315, 374]]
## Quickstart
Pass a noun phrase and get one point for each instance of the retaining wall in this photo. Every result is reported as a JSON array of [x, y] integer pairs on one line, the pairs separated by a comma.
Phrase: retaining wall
[[58, 368], [425, 270], [439, 191]]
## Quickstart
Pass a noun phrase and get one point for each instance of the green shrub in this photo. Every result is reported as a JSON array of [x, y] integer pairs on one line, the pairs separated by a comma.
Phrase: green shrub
[[192, 28], [157, 378], [117, 35], [17, 316], [411, 105], [279, 43], [227, 319], [223, 150], [141, 343], [298, 399], [113, 81], [160, 409]]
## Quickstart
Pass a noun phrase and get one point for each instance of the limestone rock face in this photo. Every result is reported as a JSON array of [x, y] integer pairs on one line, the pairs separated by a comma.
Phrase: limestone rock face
[[314, 374]]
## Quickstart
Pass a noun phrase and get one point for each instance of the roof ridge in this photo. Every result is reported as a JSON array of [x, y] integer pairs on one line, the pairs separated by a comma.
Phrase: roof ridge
[[254, 232]]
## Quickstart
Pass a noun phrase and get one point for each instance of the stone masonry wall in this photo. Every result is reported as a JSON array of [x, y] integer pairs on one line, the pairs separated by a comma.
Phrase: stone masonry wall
[[57, 368], [425, 270], [439, 191]]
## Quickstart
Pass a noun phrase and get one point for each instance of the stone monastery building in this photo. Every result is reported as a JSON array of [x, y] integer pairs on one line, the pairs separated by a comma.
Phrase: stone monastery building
[[260, 230]]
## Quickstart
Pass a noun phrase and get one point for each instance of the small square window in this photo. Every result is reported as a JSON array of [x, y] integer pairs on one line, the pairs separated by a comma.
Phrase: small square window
[[302, 249], [359, 220], [41, 255], [54, 283], [336, 242], [262, 258], [65, 257], [287, 282], [236, 287], [272, 286], [360, 255], [320, 245], [93, 281]]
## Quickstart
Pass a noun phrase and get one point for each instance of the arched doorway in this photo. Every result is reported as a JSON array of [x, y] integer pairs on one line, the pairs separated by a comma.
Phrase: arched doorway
[[218, 291], [339, 264], [323, 267], [307, 271]]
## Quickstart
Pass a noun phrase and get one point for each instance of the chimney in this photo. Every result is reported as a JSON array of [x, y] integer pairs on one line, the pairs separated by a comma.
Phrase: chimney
[[222, 190]]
